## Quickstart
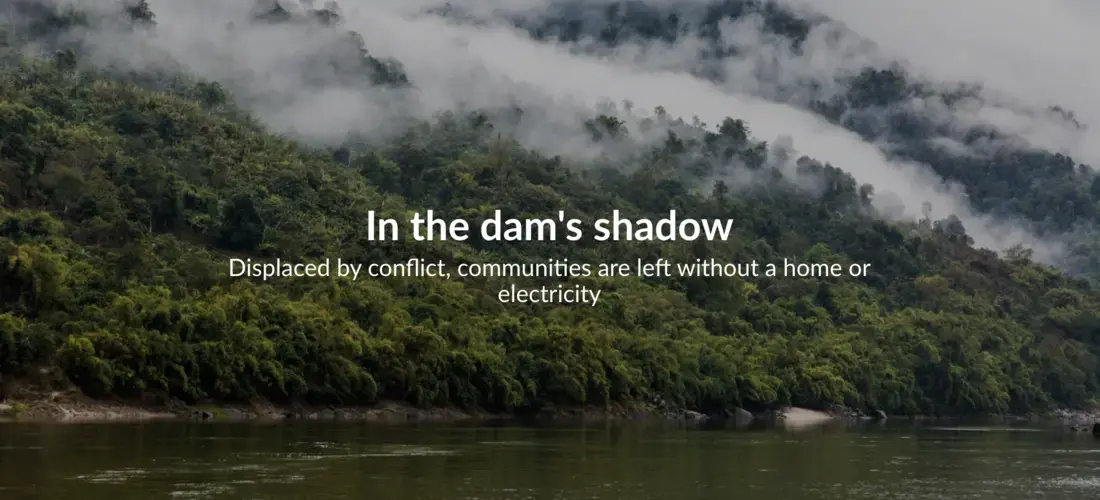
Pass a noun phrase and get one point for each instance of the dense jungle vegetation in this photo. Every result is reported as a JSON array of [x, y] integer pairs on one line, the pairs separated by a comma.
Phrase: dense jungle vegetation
[[120, 206]]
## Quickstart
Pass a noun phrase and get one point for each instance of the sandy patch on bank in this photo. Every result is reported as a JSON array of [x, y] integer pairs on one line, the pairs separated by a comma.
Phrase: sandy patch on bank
[[792, 417]]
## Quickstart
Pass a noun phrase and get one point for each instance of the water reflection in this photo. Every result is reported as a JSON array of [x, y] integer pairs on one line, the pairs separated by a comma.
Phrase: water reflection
[[318, 460]]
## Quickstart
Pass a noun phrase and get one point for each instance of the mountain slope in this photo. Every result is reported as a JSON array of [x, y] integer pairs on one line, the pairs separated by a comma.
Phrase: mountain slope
[[117, 237], [124, 195], [734, 42]]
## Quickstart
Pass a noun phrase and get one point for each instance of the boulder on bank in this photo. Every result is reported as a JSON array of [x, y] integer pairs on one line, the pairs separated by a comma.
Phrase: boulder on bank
[[694, 416], [846, 413], [687, 416], [741, 417], [794, 417]]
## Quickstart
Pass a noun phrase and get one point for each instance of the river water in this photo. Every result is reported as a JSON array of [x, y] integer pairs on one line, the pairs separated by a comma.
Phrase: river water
[[308, 460]]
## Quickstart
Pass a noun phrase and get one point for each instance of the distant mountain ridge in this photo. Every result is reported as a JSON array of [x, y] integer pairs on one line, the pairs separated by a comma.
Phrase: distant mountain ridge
[[1054, 192]]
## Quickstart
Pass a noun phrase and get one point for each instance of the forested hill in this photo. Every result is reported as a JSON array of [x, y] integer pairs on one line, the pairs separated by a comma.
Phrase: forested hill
[[120, 206], [883, 102]]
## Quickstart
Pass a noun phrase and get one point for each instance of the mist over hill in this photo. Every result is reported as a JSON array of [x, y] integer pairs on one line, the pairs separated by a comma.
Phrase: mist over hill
[[1010, 148], [810, 85]]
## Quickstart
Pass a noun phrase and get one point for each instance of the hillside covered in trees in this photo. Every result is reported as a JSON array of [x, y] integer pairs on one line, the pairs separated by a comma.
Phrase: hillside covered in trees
[[123, 195], [1056, 193]]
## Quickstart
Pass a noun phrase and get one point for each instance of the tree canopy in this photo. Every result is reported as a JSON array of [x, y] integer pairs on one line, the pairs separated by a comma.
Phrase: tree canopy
[[120, 206]]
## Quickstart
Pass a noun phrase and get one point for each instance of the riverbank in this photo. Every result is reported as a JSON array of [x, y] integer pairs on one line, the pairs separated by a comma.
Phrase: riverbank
[[74, 407], [68, 408]]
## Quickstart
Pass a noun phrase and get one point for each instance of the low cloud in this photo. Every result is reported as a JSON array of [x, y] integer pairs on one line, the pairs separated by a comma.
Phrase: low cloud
[[1027, 56], [273, 71]]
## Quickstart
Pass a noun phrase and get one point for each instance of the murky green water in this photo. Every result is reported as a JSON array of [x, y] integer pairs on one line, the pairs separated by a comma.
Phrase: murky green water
[[606, 462]]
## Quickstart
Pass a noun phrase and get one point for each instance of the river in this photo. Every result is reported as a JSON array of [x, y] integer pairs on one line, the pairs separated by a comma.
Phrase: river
[[320, 461]]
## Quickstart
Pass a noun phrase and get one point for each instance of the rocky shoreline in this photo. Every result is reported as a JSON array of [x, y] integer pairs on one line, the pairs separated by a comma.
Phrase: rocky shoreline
[[69, 407], [58, 407]]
